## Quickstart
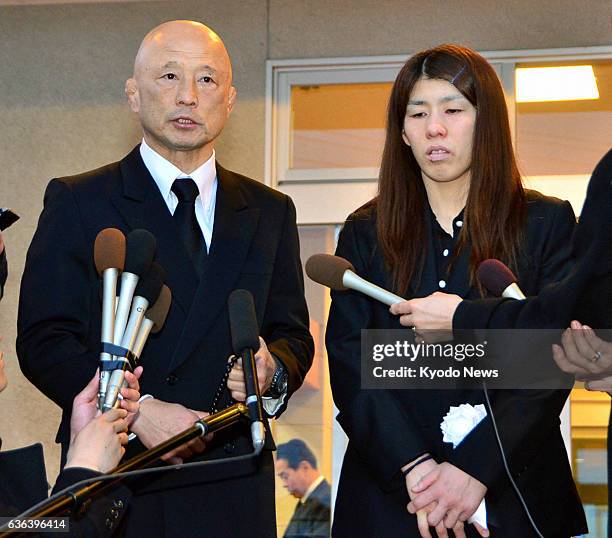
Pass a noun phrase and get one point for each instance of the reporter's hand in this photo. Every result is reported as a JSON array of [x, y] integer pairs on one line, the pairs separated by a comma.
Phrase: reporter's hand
[[582, 353], [99, 444], [604, 384], [85, 403], [266, 366], [457, 494], [434, 312], [158, 421]]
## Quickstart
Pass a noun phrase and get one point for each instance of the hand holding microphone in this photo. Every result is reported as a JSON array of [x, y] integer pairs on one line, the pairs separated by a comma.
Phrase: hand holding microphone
[[433, 312], [245, 340]]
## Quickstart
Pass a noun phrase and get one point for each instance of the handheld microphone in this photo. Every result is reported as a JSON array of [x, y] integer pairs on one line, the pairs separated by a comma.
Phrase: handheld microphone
[[339, 274], [498, 279], [140, 249], [109, 259], [154, 320], [147, 291], [245, 339]]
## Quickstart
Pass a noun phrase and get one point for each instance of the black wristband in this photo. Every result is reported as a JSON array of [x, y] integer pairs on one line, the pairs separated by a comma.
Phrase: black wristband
[[417, 462]]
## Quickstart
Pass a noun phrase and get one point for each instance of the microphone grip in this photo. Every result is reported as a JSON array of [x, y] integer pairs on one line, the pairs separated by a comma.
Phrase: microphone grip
[[355, 282], [253, 397], [115, 384], [253, 400]]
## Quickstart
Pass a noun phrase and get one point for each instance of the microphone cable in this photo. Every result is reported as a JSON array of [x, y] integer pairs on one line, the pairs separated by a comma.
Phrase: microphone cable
[[505, 462]]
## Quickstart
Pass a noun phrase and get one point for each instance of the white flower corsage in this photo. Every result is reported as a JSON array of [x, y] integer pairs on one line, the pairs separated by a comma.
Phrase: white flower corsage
[[458, 422]]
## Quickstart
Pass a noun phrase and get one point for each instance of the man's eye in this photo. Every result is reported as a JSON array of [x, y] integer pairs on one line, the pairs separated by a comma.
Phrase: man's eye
[[453, 110], [206, 80], [170, 76], [417, 115]]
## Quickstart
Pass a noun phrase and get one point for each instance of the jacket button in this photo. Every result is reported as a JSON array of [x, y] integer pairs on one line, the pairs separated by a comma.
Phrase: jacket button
[[171, 379], [229, 448]]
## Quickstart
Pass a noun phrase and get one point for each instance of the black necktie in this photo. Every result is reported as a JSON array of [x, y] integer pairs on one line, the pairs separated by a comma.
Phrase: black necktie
[[187, 191]]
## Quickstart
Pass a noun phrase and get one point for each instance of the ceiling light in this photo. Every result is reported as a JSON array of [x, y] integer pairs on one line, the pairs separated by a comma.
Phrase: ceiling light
[[567, 83]]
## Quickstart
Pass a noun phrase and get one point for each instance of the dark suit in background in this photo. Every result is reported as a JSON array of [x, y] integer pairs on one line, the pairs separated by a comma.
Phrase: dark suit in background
[[312, 517], [254, 246], [389, 428]]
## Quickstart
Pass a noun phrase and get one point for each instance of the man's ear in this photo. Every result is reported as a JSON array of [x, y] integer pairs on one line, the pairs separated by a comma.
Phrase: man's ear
[[133, 97], [232, 100]]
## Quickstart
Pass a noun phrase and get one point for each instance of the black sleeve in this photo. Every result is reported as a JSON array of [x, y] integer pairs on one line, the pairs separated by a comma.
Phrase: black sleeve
[[379, 428], [285, 326], [525, 418], [56, 300], [101, 516]]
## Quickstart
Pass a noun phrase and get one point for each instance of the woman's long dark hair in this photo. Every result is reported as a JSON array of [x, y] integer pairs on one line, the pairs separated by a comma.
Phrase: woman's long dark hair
[[495, 209]]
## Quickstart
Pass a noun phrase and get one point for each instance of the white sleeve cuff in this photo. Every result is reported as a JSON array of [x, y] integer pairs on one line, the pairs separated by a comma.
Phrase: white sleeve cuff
[[144, 397]]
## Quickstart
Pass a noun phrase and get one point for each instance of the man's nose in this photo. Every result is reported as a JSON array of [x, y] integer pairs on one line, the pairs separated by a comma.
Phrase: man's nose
[[187, 94]]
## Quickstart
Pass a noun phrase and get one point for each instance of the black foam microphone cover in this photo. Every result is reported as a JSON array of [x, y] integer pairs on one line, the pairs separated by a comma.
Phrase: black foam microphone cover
[[140, 250], [243, 321], [151, 283]]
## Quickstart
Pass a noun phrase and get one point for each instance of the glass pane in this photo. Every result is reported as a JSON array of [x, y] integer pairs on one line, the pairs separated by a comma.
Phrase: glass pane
[[338, 125], [566, 137], [309, 416]]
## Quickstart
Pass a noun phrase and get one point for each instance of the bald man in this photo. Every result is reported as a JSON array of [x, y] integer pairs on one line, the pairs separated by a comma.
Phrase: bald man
[[216, 231]]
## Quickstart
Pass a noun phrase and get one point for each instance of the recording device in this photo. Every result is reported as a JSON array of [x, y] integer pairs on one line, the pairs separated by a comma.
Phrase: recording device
[[245, 340], [140, 249], [147, 291], [154, 320], [7, 218], [109, 258], [339, 274], [499, 280]]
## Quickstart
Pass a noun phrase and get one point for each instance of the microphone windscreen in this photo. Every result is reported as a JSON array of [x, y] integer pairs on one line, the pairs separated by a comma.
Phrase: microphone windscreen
[[109, 250], [140, 249], [151, 283], [495, 276], [243, 321], [328, 270], [159, 311]]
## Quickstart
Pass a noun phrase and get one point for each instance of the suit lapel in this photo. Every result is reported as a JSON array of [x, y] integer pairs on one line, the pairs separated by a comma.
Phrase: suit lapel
[[142, 206], [234, 226]]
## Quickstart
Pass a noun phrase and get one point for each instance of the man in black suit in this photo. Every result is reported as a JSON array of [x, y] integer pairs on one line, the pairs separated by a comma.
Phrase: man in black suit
[[216, 231], [296, 466]]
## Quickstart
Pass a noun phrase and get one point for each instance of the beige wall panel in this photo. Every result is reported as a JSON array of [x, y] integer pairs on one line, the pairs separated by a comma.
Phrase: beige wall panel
[[62, 110], [318, 28]]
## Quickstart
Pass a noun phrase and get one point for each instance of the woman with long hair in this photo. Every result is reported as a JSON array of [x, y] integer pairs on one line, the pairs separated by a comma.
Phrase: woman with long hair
[[450, 196]]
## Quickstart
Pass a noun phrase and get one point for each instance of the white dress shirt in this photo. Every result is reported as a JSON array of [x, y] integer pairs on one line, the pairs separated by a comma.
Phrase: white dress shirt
[[164, 173]]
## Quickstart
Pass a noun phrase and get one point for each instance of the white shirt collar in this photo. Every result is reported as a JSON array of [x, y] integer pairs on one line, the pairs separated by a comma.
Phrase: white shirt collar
[[164, 173], [311, 488]]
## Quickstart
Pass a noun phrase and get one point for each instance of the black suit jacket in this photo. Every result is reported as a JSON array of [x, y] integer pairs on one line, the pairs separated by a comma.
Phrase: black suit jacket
[[388, 428], [311, 519], [585, 294], [23, 483], [254, 246]]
